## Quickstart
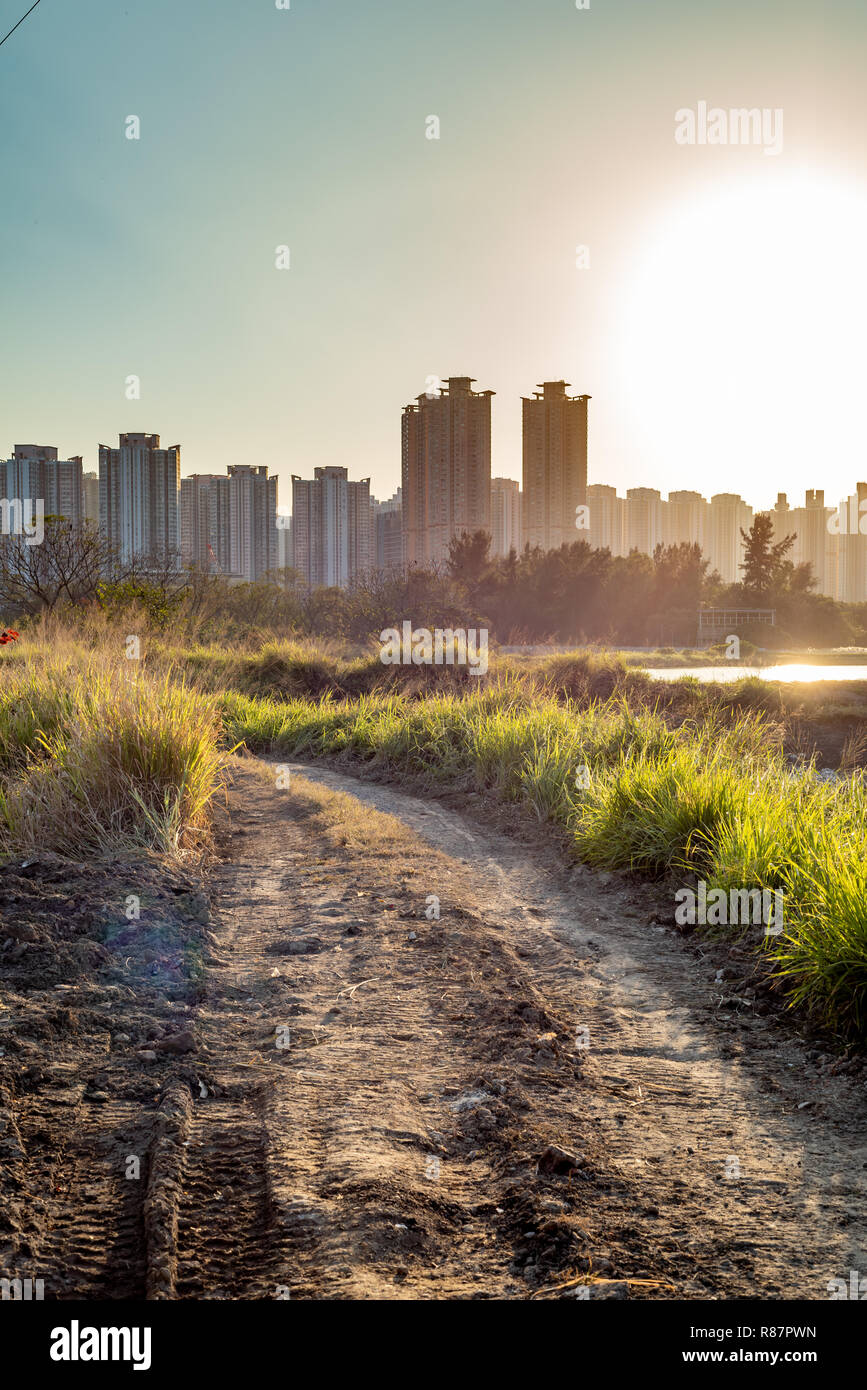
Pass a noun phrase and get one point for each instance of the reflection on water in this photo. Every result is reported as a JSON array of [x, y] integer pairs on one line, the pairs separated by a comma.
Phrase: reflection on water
[[768, 673]]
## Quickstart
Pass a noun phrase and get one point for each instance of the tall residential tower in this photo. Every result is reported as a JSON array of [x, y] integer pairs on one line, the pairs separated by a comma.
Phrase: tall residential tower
[[252, 520], [330, 527], [446, 468], [555, 465], [505, 517], [34, 471], [139, 486], [205, 523]]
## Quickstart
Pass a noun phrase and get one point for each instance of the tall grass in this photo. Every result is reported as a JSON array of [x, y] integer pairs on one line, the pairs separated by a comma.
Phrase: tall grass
[[93, 758]]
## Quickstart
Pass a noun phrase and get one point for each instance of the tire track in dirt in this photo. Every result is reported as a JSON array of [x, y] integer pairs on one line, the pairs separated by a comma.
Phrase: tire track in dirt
[[348, 1141], [92, 1246], [96, 1008], [214, 1234], [740, 1154]]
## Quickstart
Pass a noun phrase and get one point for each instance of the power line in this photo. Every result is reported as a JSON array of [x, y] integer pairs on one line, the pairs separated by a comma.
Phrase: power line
[[21, 21]]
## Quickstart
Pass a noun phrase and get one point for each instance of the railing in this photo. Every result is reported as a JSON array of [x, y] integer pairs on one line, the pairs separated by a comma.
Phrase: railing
[[735, 617]]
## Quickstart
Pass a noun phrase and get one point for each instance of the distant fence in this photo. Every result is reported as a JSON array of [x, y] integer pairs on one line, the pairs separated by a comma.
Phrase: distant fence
[[719, 622]]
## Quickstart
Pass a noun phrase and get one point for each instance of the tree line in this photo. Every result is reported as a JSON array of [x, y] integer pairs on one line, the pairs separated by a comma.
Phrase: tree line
[[572, 594]]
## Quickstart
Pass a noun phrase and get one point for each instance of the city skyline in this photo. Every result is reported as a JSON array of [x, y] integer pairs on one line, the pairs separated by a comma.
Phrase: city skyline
[[549, 224], [233, 524], [19, 452]]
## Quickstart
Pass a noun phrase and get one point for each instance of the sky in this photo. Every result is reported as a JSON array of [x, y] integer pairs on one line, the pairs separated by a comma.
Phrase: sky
[[717, 316]]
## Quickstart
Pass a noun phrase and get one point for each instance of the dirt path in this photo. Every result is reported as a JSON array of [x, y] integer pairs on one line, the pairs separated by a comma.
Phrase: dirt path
[[359, 1098], [431, 1063]]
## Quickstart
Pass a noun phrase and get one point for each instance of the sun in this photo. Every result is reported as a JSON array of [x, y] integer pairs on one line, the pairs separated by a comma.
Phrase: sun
[[741, 336]]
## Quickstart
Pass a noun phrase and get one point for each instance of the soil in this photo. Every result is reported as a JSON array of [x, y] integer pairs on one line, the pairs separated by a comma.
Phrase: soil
[[391, 1051]]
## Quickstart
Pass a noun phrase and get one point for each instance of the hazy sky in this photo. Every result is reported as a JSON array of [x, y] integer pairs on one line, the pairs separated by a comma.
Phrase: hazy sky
[[719, 327]]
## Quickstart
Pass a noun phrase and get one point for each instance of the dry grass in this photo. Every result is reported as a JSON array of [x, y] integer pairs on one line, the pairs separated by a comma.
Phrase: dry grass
[[343, 820], [97, 755]]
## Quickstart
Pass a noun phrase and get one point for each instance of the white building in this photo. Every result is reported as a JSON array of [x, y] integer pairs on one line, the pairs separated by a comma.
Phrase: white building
[[330, 527], [139, 499], [252, 520], [505, 517], [34, 471]]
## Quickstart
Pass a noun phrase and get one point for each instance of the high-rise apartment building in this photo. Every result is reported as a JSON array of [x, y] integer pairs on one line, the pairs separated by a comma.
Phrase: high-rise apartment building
[[812, 546], [849, 549], [34, 471], [205, 523], [685, 519], [833, 546], [781, 517], [445, 469], [555, 465], [25, 473], [90, 497], [728, 516], [330, 527], [285, 542], [644, 520], [252, 520], [607, 520], [386, 532], [505, 517], [139, 490]]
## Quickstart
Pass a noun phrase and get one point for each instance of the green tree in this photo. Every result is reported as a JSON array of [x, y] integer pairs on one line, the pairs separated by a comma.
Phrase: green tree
[[469, 561], [765, 566]]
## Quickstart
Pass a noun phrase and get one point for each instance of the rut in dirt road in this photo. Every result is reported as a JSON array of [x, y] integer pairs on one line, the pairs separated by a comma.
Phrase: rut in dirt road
[[95, 1244], [720, 1157], [398, 1054]]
